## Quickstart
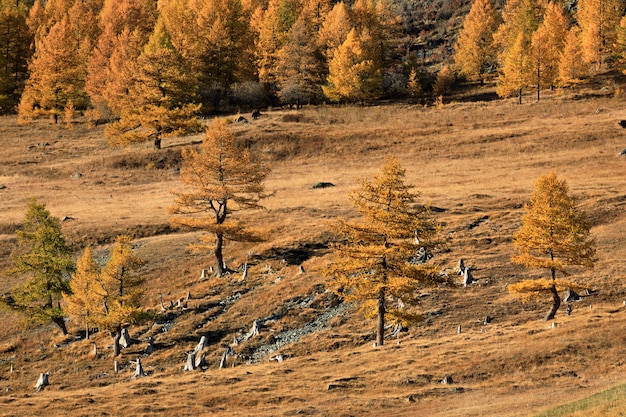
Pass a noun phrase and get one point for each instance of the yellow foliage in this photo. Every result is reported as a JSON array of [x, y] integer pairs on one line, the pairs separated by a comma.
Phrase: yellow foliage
[[372, 266]]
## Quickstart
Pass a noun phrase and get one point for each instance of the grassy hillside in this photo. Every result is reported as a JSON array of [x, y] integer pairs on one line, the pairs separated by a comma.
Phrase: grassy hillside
[[477, 163]]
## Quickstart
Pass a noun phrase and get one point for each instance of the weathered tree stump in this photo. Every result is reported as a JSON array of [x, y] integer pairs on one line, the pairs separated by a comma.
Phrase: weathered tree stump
[[245, 272], [190, 365], [204, 274], [116, 366], [200, 361], [467, 277], [42, 382], [301, 268], [163, 309], [139, 369], [150, 348], [202, 344], [125, 339], [461, 267]]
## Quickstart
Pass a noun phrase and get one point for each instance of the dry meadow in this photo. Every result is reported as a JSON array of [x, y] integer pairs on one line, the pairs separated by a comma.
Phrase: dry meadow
[[474, 163]]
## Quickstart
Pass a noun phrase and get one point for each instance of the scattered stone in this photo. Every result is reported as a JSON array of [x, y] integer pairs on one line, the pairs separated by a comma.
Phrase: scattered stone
[[447, 380], [2, 186], [150, 348], [488, 319], [622, 152], [204, 274], [278, 358], [622, 123], [322, 185], [256, 114], [77, 176], [301, 268], [67, 219], [125, 339], [554, 324], [241, 119], [461, 267]]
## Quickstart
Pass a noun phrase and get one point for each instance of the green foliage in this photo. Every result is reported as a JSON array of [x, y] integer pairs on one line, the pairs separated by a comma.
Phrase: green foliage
[[44, 259], [371, 266]]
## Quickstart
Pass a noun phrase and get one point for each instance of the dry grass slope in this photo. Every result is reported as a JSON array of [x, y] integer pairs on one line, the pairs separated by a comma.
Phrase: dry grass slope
[[477, 162]]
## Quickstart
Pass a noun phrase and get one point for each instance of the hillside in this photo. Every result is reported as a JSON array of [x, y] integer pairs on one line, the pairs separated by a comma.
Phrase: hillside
[[476, 163]]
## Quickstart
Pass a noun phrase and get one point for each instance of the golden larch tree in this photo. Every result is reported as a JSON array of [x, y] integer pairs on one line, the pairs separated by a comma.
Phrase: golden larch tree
[[334, 29], [85, 303], [554, 235], [598, 21], [571, 65], [355, 71], [161, 96], [221, 179], [474, 49], [547, 46], [371, 266], [299, 72], [121, 290]]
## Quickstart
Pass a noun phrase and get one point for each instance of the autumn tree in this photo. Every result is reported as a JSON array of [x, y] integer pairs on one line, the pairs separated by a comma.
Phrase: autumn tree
[[299, 71], [44, 260], [598, 21], [15, 44], [57, 73], [554, 235], [221, 180], [370, 266], [273, 29], [521, 19], [125, 27], [474, 49], [160, 97], [571, 64], [547, 46], [85, 302], [355, 72], [120, 289], [334, 29]]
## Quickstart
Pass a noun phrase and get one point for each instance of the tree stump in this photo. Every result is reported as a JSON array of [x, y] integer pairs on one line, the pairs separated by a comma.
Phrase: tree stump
[[125, 339], [139, 369], [571, 296], [200, 361], [461, 267], [42, 382], [447, 380], [116, 366], [204, 274], [202, 344], [150, 348], [245, 272], [468, 278], [190, 365]]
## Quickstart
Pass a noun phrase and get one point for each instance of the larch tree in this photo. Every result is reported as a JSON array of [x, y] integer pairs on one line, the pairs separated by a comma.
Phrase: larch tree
[[598, 21], [571, 65], [554, 235], [161, 96], [355, 72], [370, 266], [121, 289], [44, 260], [520, 20], [57, 73], [274, 27], [84, 304], [125, 27], [335, 29], [547, 46], [221, 180], [474, 50], [15, 44], [299, 67]]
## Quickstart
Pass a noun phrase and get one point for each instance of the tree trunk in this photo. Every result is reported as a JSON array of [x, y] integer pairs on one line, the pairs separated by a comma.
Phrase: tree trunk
[[116, 342], [219, 256], [556, 303], [380, 327], [157, 143], [60, 321], [520, 96]]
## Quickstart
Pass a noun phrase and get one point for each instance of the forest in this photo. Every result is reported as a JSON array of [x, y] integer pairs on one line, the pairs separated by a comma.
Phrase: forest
[[157, 64]]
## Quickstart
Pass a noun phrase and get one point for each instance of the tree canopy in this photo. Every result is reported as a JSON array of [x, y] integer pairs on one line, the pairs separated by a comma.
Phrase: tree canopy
[[554, 235], [221, 179], [44, 260], [371, 264]]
